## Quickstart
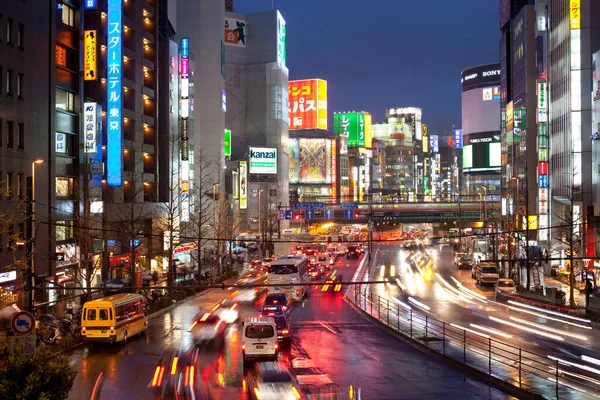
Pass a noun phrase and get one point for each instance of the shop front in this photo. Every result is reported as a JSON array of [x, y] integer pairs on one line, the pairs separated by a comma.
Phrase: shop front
[[11, 292]]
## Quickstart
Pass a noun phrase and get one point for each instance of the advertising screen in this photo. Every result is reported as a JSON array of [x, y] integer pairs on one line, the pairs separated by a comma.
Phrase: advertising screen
[[314, 161], [263, 161], [243, 185], [482, 154], [479, 114], [352, 126], [368, 131], [308, 104], [480, 76], [294, 159]]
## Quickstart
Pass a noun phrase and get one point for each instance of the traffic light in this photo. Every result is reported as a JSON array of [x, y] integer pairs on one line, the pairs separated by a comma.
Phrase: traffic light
[[297, 217], [356, 215]]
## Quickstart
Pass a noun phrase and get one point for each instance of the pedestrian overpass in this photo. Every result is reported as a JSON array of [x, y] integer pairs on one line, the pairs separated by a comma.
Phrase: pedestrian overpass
[[422, 212]]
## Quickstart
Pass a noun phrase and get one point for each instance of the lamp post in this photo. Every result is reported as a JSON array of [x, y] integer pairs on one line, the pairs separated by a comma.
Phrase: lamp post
[[30, 280]]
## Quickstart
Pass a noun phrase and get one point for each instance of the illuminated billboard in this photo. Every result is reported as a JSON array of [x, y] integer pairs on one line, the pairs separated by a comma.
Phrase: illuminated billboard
[[243, 185], [235, 32], [114, 151], [310, 160], [352, 126], [490, 93], [89, 57], [407, 121], [480, 76], [368, 131], [263, 161], [308, 104], [90, 142], [281, 40], [482, 153]]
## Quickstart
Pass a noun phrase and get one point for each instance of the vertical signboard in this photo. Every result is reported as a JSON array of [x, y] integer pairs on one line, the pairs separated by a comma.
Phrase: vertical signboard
[[90, 4], [185, 191], [281, 39], [184, 71], [458, 138], [333, 169], [227, 143], [114, 61], [243, 185], [434, 143], [509, 117], [89, 127], [575, 14], [307, 101], [368, 131], [235, 32], [352, 126], [89, 56]]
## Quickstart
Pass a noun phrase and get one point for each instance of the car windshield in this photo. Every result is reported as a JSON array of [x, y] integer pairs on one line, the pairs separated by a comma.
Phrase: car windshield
[[489, 270], [283, 269], [259, 331], [506, 284], [464, 259]]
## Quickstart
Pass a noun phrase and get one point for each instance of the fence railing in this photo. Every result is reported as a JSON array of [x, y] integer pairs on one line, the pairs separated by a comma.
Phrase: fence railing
[[536, 373]]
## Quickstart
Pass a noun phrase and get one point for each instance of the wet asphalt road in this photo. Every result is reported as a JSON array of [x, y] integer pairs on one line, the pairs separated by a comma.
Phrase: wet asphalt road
[[339, 340]]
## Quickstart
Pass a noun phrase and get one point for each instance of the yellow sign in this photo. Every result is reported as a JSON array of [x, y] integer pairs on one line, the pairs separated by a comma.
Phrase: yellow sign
[[368, 131], [321, 104], [425, 129], [575, 14], [509, 117], [89, 57]]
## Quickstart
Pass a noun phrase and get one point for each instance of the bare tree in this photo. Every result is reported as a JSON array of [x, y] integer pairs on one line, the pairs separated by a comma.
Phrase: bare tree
[[569, 231]]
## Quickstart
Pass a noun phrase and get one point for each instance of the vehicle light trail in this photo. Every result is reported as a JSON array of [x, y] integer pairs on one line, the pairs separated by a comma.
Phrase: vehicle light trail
[[572, 364], [419, 304], [549, 312], [524, 328], [402, 304], [471, 330], [492, 331], [548, 329], [402, 286], [590, 360], [547, 317]]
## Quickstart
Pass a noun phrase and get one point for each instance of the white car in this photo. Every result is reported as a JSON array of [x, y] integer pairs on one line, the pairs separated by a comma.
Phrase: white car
[[486, 273], [259, 339], [271, 381], [505, 286]]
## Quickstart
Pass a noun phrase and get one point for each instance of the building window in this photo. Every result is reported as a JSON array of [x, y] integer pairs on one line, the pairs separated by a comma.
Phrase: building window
[[9, 185], [60, 56], [20, 185], [20, 35], [20, 86], [9, 28], [64, 100], [64, 230], [68, 15], [9, 74], [64, 187], [10, 127], [21, 136]]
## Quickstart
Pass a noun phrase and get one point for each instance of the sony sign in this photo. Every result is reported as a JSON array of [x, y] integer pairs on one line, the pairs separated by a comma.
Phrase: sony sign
[[263, 161], [495, 72]]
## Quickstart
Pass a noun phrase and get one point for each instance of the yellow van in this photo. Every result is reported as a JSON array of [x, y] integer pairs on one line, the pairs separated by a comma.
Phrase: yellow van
[[114, 318]]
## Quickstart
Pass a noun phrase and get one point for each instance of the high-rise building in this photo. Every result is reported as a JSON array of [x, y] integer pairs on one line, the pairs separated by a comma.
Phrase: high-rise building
[[480, 164], [256, 92], [404, 166]]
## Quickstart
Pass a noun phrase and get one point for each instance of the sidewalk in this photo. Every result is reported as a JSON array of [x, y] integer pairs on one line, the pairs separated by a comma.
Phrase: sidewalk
[[552, 282]]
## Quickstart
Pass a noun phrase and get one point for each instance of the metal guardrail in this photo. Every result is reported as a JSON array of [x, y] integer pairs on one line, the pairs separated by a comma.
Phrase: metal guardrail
[[536, 373]]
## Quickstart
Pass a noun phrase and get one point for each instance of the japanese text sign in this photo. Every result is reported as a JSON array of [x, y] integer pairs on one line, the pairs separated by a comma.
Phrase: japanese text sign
[[114, 60], [308, 104], [89, 57]]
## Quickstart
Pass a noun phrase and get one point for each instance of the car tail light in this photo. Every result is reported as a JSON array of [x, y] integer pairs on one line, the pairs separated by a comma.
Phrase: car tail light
[[276, 346], [187, 376], [158, 374], [83, 330], [243, 346], [112, 330], [205, 317], [274, 301], [174, 365], [285, 332], [218, 324], [191, 375]]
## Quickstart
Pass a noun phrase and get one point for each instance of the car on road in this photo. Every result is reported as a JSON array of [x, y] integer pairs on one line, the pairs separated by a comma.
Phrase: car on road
[[178, 375], [333, 284], [208, 329], [486, 272], [458, 257], [283, 328], [352, 252], [259, 339], [465, 262], [505, 286], [314, 271], [278, 303], [271, 381]]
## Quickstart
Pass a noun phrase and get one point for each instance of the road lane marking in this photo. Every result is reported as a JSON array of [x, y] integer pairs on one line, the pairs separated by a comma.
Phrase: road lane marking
[[329, 328]]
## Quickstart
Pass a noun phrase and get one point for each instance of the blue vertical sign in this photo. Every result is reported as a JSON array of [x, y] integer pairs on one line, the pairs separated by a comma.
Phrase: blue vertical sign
[[114, 152], [281, 214], [185, 47], [458, 138], [90, 4], [328, 213], [348, 214], [289, 214], [310, 215]]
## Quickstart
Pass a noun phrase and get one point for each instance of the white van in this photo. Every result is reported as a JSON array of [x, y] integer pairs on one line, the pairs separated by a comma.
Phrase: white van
[[259, 339]]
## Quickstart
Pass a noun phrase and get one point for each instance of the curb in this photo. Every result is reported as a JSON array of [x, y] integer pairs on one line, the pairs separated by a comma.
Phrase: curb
[[481, 376]]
